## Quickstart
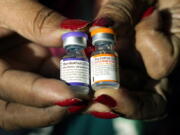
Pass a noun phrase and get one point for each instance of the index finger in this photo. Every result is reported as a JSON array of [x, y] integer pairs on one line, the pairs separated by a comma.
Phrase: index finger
[[34, 21]]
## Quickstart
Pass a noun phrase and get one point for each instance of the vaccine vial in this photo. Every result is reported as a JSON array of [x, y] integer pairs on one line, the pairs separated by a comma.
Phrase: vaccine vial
[[74, 66], [104, 60]]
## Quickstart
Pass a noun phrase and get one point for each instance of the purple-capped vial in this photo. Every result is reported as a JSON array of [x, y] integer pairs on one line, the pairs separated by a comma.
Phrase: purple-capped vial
[[74, 66]]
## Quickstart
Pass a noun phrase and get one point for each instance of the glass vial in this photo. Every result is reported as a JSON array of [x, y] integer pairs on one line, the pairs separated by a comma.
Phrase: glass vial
[[74, 66], [104, 61]]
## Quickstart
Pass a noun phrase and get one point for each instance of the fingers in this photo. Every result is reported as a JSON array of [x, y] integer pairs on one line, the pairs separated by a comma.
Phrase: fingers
[[5, 32], [15, 116], [50, 67], [32, 89], [134, 105], [158, 52], [31, 56], [139, 97], [32, 20], [125, 12], [175, 21], [98, 4], [164, 4], [9, 40], [110, 10], [101, 111], [44, 91]]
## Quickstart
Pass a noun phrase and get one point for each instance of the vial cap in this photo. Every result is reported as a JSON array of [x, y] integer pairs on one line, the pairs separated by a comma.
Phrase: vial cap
[[103, 35], [74, 34], [75, 38], [102, 30]]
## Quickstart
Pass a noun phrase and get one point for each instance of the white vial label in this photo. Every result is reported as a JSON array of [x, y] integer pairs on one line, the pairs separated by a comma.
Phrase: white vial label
[[104, 68], [75, 71]]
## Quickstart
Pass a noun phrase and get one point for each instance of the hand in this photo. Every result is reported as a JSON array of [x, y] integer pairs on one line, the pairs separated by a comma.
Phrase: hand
[[144, 69], [28, 92]]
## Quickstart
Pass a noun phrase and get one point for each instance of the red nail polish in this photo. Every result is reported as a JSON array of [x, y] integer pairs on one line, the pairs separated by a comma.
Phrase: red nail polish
[[104, 115], [69, 102], [73, 24], [75, 109], [148, 12], [104, 21], [107, 100]]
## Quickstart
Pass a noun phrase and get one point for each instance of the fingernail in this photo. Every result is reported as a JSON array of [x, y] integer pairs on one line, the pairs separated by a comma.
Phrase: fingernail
[[148, 12], [104, 21], [69, 102], [73, 24], [107, 100], [75, 109], [104, 115]]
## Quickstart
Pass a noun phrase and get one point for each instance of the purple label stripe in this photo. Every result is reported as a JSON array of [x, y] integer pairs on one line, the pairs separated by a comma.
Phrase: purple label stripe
[[82, 59], [78, 84]]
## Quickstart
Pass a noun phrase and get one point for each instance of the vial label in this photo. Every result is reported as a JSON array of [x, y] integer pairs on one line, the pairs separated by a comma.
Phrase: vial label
[[75, 71], [104, 68]]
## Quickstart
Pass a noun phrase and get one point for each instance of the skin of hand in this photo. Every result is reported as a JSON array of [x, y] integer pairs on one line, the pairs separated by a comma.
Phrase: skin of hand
[[145, 62], [23, 73], [29, 90]]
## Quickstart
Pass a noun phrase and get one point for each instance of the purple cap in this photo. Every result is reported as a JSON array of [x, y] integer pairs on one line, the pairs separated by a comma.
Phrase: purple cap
[[74, 34]]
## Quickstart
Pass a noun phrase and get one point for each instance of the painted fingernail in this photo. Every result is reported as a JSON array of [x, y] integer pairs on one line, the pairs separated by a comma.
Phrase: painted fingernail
[[107, 100], [75, 109], [104, 21], [73, 24], [104, 115], [69, 102], [148, 12]]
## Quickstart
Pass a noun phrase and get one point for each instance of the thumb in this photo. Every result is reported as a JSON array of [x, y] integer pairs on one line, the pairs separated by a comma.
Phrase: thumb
[[159, 52], [34, 21]]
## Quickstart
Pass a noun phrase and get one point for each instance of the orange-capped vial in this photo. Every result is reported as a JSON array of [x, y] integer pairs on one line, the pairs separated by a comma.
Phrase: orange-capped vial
[[104, 61]]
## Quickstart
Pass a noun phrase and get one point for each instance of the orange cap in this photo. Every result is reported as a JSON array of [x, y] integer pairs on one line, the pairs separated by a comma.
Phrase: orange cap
[[102, 30]]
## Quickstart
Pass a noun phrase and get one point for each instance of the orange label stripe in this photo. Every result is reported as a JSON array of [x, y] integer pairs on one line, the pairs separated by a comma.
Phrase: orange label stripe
[[101, 55], [105, 81]]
